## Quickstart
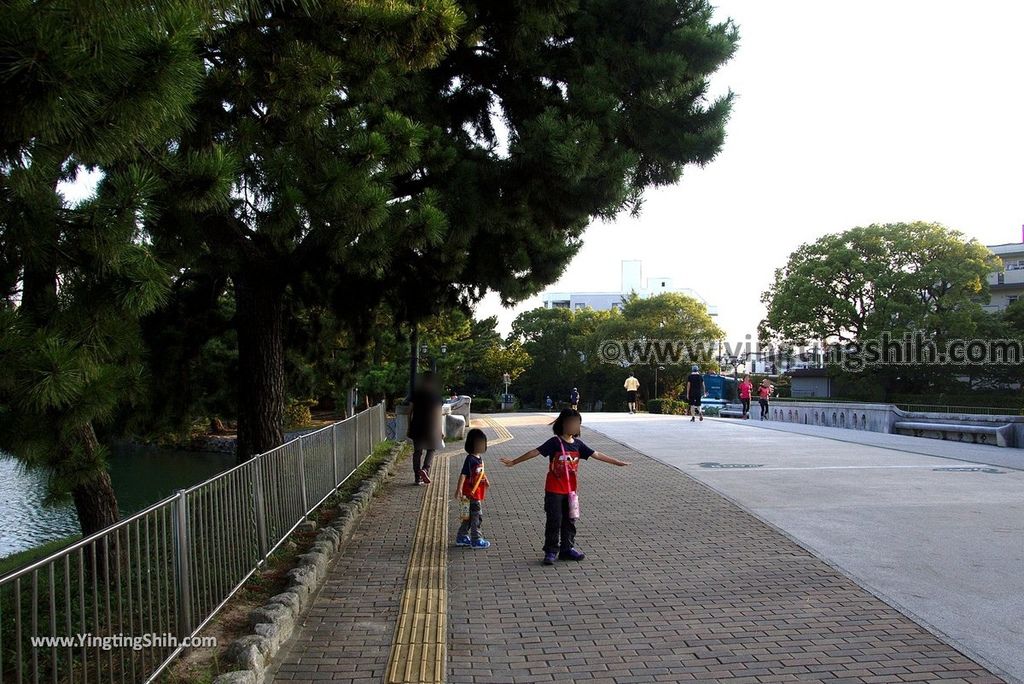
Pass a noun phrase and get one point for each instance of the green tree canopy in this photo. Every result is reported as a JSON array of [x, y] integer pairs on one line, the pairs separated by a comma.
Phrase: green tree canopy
[[895, 277], [85, 85]]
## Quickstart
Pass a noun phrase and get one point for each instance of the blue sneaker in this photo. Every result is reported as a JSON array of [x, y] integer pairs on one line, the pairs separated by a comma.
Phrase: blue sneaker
[[549, 558], [462, 541], [480, 543], [572, 554]]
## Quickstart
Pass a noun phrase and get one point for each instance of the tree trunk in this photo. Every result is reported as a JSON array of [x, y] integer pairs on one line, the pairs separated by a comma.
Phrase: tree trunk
[[259, 322], [94, 498]]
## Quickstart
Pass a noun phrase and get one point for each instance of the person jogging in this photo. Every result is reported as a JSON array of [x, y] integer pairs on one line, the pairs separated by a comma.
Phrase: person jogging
[[632, 385], [763, 393], [746, 389]]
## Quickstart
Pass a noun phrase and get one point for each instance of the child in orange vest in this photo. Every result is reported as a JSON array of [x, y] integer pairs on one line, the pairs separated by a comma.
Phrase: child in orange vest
[[472, 485]]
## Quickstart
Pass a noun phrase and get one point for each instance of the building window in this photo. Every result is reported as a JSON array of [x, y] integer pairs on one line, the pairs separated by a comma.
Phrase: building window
[[1011, 300]]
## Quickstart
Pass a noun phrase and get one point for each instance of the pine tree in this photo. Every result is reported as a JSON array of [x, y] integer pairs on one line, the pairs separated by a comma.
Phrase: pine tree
[[545, 117], [85, 85], [364, 154], [297, 131]]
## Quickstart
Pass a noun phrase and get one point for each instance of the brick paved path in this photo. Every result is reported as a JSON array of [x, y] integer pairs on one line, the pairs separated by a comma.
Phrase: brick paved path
[[678, 585]]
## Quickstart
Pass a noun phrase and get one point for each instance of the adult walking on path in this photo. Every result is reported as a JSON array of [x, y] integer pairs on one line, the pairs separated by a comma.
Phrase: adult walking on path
[[746, 389], [763, 393], [695, 392], [574, 399], [632, 385], [425, 426]]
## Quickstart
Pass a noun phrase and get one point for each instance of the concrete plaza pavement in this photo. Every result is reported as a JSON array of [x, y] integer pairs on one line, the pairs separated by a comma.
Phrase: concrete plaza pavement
[[938, 533], [679, 584]]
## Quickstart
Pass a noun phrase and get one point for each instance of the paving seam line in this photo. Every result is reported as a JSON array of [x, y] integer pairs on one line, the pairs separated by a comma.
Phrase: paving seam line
[[877, 593]]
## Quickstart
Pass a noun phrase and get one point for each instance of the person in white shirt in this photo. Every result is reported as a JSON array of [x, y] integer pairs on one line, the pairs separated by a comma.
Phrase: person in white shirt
[[631, 385]]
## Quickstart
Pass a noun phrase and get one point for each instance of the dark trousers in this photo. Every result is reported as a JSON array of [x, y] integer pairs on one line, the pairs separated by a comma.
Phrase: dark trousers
[[560, 530], [764, 407], [746, 405], [417, 453], [471, 526]]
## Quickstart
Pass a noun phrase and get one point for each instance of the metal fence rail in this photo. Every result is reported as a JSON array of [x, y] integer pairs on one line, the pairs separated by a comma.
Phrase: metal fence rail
[[124, 601]]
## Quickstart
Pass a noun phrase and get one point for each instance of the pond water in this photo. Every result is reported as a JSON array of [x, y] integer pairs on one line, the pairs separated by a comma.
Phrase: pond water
[[141, 476]]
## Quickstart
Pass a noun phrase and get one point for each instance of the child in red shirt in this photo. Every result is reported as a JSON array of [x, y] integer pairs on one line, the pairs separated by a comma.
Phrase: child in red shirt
[[564, 452], [472, 485]]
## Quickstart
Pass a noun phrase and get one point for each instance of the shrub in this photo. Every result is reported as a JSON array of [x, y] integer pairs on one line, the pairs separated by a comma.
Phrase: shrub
[[482, 405], [669, 407], [297, 413]]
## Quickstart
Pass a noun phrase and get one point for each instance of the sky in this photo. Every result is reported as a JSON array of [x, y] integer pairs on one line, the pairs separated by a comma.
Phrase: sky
[[846, 114]]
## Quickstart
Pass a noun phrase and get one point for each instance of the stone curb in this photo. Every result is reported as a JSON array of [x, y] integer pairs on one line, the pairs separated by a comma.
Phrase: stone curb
[[274, 622]]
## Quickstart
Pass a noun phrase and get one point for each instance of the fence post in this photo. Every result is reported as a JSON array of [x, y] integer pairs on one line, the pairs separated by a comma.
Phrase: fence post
[[302, 478], [355, 445], [369, 432], [334, 451], [183, 576], [260, 505]]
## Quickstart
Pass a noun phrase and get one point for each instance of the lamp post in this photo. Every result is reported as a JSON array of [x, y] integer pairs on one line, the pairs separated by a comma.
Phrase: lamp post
[[656, 369], [425, 350]]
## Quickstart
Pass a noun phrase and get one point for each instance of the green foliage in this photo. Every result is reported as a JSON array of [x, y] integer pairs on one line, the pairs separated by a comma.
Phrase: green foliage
[[565, 349], [86, 86], [297, 413], [896, 278], [847, 286], [671, 407], [484, 405]]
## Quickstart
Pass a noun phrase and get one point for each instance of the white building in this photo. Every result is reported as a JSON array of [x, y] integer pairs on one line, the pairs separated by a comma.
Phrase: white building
[[1007, 285], [632, 281]]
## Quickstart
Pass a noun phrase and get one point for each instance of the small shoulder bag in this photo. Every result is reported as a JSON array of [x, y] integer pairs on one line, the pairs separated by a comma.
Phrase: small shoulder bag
[[574, 497]]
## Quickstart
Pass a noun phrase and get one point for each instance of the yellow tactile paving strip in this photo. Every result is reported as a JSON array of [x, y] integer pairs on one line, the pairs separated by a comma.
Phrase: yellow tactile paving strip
[[419, 651], [503, 434]]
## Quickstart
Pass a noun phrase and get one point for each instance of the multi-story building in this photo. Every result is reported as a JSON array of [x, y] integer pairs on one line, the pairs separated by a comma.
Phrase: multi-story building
[[631, 281], [1007, 285]]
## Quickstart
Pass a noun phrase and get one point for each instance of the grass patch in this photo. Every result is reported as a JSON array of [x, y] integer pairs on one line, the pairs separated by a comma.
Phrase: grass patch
[[23, 558]]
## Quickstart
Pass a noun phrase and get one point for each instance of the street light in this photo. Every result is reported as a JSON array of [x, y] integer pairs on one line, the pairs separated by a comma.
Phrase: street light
[[656, 369]]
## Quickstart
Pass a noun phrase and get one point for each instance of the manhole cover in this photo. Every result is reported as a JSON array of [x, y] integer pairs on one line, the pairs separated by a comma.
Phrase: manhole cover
[[730, 465], [969, 470]]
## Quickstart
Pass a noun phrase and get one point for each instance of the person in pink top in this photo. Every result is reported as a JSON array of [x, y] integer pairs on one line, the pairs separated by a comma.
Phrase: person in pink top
[[746, 389], [763, 392]]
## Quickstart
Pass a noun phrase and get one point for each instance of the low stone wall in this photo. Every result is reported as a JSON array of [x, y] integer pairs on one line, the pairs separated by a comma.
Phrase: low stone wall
[[853, 415], [883, 417]]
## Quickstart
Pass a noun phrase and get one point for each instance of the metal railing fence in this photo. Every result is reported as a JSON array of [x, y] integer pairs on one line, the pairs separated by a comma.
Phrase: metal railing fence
[[124, 602]]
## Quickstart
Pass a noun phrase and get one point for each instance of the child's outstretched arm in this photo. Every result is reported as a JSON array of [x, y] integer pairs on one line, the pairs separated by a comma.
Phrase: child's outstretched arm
[[605, 458], [519, 459]]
